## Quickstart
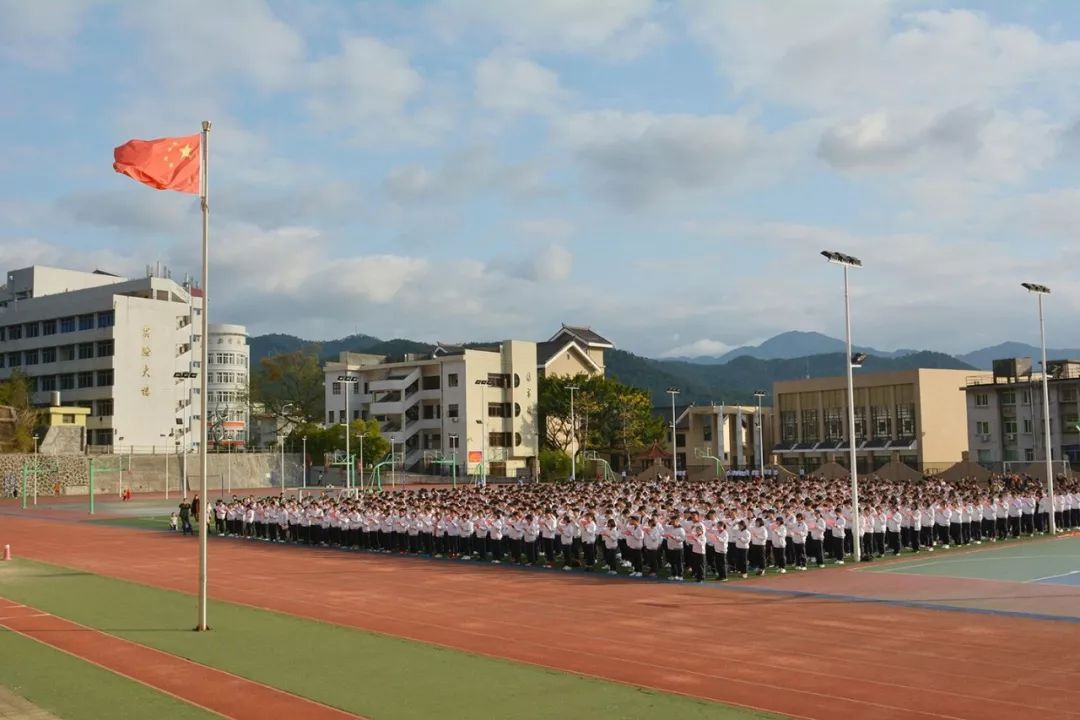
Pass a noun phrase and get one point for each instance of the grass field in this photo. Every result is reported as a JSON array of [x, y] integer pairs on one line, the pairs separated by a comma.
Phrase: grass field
[[75, 690], [372, 675]]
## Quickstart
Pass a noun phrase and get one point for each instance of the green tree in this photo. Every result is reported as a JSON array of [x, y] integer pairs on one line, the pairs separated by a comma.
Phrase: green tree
[[15, 393], [611, 417], [290, 386], [324, 441]]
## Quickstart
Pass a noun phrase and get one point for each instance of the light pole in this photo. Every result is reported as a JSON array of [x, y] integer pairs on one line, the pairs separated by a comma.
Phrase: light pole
[[453, 437], [847, 261], [673, 391], [358, 488], [36, 438], [573, 435], [347, 381], [166, 465], [393, 461], [281, 442], [303, 466], [483, 431], [187, 376], [1039, 291], [759, 394]]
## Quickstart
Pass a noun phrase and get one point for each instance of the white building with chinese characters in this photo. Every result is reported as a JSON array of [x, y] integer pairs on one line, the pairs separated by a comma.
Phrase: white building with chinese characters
[[228, 367], [109, 344]]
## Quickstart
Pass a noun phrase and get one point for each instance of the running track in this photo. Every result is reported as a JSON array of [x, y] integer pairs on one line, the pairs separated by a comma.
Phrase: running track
[[807, 657]]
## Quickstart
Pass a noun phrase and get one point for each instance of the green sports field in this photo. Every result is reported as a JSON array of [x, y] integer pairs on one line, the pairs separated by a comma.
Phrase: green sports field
[[371, 675]]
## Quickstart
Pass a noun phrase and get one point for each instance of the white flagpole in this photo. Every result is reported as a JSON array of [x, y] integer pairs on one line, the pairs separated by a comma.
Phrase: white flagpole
[[203, 496]]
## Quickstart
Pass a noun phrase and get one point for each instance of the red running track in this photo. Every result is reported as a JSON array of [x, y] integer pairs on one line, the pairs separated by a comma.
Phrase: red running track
[[806, 657]]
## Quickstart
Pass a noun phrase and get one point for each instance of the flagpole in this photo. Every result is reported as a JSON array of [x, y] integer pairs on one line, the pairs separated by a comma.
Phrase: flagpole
[[203, 496]]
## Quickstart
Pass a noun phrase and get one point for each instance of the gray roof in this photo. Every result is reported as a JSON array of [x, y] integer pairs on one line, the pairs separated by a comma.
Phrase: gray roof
[[585, 335]]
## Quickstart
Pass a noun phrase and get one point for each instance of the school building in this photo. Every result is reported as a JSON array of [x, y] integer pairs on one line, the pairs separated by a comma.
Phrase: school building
[[473, 405], [1005, 413], [918, 417], [111, 345], [714, 437]]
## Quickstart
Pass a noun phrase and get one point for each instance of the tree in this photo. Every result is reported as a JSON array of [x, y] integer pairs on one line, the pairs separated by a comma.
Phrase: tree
[[15, 393], [610, 417], [290, 386], [324, 441]]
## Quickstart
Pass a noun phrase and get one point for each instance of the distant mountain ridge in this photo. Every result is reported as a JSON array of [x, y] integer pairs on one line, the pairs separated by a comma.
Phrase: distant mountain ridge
[[732, 382], [798, 344]]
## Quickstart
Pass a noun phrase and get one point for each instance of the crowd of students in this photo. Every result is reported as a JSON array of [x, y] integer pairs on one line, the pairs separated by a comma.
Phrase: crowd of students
[[665, 528]]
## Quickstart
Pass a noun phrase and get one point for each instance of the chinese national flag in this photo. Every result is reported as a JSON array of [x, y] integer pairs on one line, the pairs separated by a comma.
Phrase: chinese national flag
[[164, 164]]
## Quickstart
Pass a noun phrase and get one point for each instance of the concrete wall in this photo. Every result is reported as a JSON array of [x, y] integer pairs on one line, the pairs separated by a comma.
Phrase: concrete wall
[[146, 473]]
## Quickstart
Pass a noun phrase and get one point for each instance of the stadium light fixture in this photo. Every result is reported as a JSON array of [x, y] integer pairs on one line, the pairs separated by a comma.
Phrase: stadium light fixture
[[1040, 291]]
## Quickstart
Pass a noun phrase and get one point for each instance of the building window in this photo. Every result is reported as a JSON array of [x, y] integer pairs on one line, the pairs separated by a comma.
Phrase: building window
[[104, 378], [882, 421], [86, 379], [103, 437], [1008, 397], [67, 352], [335, 388], [33, 384], [330, 417], [106, 318], [14, 332], [86, 351], [430, 382], [341, 416], [789, 426], [48, 383], [498, 410], [86, 322], [452, 380], [809, 426], [905, 420], [453, 442], [48, 327], [14, 359], [104, 408], [452, 410], [1025, 397], [3, 360], [105, 348], [48, 355], [355, 414], [860, 422], [67, 324], [982, 427], [985, 456], [32, 329], [1029, 454], [1008, 425], [67, 381], [499, 439], [706, 431], [498, 380], [1027, 426], [31, 357], [982, 400], [834, 424]]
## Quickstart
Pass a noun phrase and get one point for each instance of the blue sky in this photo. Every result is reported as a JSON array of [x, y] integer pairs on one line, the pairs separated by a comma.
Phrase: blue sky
[[663, 171]]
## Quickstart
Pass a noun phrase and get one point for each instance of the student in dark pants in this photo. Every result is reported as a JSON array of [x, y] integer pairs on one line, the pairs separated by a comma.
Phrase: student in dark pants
[[185, 518]]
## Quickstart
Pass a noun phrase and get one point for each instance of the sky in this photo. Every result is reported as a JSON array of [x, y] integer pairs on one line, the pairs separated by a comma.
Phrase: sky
[[664, 172]]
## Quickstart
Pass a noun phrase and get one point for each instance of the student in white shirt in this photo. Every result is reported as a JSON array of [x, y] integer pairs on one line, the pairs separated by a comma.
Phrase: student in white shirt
[[634, 538], [588, 539], [610, 536], [698, 541], [815, 543], [797, 533], [839, 535], [778, 537], [742, 547], [718, 541], [654, 537], [759, 535], [674, 538]]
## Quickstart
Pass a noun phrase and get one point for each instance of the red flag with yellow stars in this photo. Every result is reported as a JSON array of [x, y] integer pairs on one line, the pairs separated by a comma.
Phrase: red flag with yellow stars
[[164, 164]]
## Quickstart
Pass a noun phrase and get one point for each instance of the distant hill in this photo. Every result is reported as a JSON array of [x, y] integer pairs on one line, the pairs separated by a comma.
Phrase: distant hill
[[733, 381], [984, 358], [792, 344]]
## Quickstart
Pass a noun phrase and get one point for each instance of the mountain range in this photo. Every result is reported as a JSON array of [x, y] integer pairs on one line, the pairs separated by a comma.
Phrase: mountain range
[[796, 344], [730, 378]]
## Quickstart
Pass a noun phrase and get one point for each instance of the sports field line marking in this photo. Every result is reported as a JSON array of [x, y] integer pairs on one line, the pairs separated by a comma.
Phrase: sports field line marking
[[156, 651], [1051, 577]]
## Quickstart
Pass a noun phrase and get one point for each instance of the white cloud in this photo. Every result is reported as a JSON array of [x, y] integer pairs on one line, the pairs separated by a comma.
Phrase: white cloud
[[207, 41], [636, 159], [40, 34], [618, 29], [507, 83], [705, 347], [369, 80], [464, 173]]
